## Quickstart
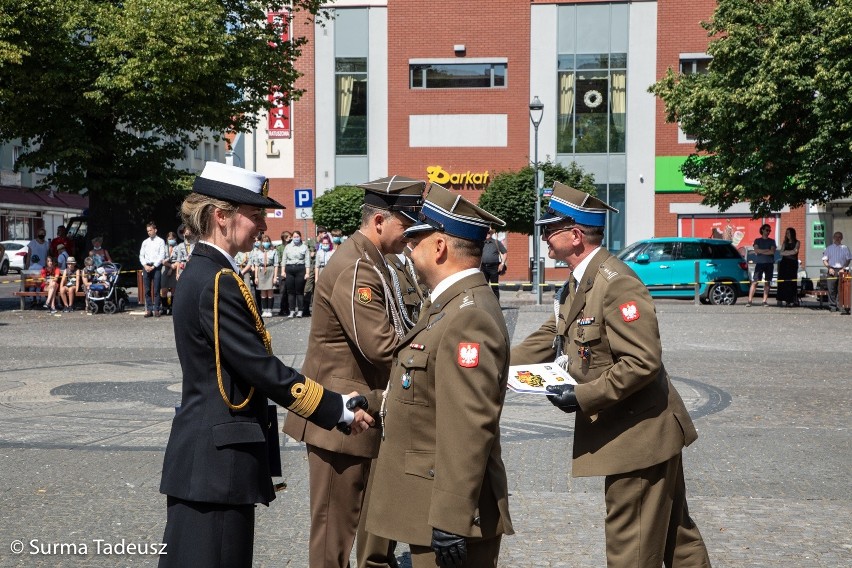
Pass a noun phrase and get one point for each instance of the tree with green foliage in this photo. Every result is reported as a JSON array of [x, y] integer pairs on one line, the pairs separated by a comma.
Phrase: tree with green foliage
[[340, 208], [109, 93], [772, 117], [511, 196]]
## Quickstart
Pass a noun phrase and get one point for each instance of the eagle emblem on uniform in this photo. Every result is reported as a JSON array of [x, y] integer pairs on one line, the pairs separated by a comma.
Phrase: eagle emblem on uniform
[[629, 311], [365, 295], [468, 354]]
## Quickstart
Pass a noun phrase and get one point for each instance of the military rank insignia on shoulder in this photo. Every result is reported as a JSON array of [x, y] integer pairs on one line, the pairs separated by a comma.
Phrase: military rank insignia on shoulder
[[468, 354], [608, 273], [467, 301]]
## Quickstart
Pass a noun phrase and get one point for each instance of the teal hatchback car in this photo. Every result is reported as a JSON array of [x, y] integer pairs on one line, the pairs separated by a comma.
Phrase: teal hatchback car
[[667, 267]]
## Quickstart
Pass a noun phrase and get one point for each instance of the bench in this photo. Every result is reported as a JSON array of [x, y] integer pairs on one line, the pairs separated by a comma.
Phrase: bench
[[42, 294], [31, 280], [820, 295]]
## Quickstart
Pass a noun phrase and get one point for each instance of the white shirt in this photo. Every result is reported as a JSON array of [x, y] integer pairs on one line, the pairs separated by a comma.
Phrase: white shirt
[[837, 256], [153, 251], [228, 256], [580, 269], [444, 284]]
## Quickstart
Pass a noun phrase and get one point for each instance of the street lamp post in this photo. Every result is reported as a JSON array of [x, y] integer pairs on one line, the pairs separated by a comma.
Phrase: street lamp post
[[536, 113]]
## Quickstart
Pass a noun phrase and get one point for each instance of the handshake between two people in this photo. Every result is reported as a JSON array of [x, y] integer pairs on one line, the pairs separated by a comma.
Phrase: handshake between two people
[[361, 421]]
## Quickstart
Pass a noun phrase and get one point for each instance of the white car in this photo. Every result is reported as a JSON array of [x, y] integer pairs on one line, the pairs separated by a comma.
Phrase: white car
[[16, 251]]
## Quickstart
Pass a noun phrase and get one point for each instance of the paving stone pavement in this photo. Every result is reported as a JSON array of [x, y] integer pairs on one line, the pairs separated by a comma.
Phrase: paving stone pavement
[[87, 401]]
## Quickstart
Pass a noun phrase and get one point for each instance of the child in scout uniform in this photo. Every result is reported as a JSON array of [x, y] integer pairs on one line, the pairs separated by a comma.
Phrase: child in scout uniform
[[440, 453], [631, 424]]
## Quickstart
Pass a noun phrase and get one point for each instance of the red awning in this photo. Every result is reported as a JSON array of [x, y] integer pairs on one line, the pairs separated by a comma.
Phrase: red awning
[[40, 199]]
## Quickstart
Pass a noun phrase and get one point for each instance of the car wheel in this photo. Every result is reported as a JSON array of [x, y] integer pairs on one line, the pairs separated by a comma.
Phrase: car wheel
[[4, 268], [723, 294]]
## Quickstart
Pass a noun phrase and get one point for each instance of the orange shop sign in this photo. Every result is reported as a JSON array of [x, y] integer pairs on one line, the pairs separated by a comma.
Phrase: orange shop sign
[[439, 175]]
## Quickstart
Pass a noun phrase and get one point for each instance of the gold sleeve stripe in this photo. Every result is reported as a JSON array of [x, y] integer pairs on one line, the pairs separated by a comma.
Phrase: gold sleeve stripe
[[308, 396]]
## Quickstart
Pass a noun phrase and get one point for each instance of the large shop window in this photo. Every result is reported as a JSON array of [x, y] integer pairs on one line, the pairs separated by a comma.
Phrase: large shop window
[[351, 82], [457, 75], [592, 104]]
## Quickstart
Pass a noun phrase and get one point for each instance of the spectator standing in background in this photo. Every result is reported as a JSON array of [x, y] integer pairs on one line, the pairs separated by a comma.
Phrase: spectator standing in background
[[98, 253], [151, 256], [168, 279], [493, 261], [764, 261], [326, 249], [788, 269], [266, 265], [836, 259], [61, 239], [284, 304], [184, 250], [297, 263], [38, 250]]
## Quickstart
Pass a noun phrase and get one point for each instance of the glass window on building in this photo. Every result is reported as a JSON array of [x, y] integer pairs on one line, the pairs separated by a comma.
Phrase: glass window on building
[[592, 105], [351, 102], [592, 83], [613, 194], [691, 65], [457, 75]]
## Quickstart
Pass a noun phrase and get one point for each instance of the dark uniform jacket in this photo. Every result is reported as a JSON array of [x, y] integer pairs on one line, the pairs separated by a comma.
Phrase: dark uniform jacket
[[215, 454], [631, 416], [440, 463], [352, 339]]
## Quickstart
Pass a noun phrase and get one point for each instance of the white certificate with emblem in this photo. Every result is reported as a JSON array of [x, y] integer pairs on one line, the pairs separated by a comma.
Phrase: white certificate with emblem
[[534, 379]]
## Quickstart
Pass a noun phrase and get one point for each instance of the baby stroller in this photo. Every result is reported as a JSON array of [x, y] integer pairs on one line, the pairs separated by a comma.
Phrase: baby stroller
[[104, 293]]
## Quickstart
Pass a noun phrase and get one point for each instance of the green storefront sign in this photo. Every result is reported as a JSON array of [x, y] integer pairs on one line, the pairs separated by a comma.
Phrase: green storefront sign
[[669, 178]]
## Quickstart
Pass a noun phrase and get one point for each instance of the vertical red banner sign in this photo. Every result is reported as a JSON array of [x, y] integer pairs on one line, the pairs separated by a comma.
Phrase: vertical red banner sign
[[278, 120]]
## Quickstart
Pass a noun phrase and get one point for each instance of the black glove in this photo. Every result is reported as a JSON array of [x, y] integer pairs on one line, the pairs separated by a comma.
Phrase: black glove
[[563, 397], [351, 404], [450, 549]]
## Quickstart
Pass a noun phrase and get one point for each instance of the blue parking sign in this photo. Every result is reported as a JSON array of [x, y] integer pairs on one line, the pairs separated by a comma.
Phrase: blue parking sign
[[304, 198]]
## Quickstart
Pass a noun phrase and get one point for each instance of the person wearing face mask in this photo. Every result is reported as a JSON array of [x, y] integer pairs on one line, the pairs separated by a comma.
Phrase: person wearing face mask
[[326, 249], [266, 263], [184, 250], [297, 263], [168, 280], [38, 249], [98, 253]]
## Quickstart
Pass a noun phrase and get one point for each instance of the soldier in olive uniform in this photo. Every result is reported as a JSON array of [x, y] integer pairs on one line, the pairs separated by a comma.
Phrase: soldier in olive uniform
[[439, 482], [631, 424], [355, 327]]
